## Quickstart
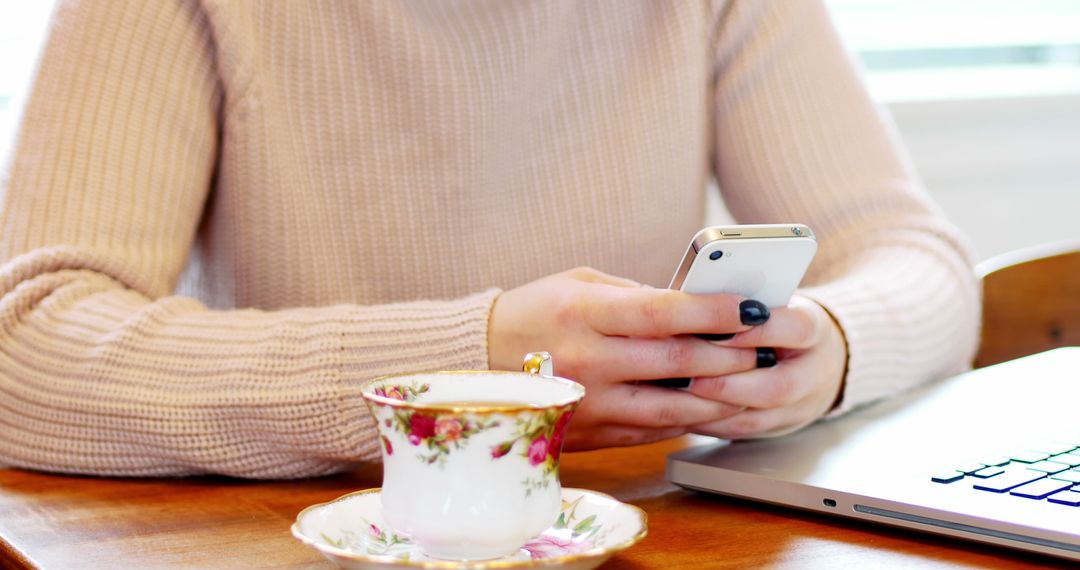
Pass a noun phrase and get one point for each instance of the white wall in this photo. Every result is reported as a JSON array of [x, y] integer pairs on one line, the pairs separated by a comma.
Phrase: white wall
[[1006, 170]]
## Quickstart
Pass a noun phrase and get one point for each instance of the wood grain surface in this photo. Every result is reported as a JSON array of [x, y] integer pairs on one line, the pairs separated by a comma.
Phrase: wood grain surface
[[60, 522], [1031, 301]]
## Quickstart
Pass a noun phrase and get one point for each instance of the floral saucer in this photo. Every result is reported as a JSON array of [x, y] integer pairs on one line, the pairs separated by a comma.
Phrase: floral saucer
[[591, 528]]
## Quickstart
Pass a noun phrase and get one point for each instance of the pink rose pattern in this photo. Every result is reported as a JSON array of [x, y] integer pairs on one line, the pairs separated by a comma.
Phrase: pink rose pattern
[[543, 435], [567, 536], [550, 546], [403, 393], [435, 434], [377, 541], [538, 451], [450, 428], [558, 433]]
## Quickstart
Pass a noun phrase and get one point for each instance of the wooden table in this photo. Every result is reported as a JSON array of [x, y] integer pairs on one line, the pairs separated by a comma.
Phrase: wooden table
[[52, 521]]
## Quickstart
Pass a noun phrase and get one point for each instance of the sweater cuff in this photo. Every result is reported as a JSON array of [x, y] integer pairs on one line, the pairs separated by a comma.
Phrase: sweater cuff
[[859, 319], [902, 327], [407, 337]]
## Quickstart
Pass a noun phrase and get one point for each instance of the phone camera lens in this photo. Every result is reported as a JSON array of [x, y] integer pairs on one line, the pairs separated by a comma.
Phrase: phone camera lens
[[716, 255]]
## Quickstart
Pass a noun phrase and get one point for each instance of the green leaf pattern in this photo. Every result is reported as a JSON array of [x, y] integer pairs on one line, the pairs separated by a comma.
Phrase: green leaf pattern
[[377, 541]]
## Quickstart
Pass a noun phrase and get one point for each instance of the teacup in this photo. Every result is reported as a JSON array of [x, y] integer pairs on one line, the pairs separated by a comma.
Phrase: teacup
[[471, 458]]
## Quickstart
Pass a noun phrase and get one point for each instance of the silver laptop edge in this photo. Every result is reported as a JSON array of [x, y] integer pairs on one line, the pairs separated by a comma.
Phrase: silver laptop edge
[[875, 464]]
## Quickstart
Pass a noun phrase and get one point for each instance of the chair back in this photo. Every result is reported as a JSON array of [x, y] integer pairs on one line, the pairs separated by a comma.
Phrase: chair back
[[1031, 301]]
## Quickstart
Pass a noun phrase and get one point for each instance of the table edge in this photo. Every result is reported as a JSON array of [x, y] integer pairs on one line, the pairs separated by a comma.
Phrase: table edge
[[10, 554]]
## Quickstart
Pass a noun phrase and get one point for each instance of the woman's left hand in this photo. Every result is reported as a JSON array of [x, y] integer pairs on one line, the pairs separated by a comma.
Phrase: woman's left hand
[[800, 388]]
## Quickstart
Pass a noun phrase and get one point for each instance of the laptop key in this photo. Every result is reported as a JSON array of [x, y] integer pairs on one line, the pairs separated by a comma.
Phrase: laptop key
[[969, 468], [1048, 467], [1070, 498], [1070, 459], [987, 472], [1026, 456], [1072, 476], [1010, 478], [997, 461], [946, 477], [1053, 448], [1040, 489]]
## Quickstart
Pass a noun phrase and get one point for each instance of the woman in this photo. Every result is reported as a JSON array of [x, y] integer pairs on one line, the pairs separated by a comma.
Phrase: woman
[[222, 218]]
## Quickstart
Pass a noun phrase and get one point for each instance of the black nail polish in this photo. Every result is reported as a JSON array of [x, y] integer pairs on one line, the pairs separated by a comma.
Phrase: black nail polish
[[753, 312], [766, 357], [726, 336], [668, 382]]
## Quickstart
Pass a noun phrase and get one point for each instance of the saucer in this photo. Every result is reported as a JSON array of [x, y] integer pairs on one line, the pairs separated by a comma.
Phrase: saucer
[[591, 527]]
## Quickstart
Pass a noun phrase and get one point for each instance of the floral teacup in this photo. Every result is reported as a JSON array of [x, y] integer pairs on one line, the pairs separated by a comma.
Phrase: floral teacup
[[471, 458]]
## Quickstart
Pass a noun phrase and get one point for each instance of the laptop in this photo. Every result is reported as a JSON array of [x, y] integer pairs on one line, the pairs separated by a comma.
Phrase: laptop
[[992, 455]]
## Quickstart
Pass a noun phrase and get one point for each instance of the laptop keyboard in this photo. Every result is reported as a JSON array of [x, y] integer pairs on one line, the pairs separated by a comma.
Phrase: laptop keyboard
[[1049, 473]]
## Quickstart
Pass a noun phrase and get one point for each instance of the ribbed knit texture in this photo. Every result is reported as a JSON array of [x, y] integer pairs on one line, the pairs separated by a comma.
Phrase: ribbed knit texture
[[221, 217]]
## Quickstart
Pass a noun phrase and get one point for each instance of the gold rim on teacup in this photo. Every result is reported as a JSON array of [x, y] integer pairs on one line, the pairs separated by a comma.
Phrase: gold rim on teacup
[[537, 364]]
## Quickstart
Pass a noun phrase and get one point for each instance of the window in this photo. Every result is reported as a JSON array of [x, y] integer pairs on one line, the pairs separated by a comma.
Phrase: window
[[22, 28], [941, 49], [986, 94]]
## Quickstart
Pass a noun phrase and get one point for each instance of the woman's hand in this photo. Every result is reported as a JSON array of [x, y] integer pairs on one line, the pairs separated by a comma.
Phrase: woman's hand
[[802, 386], [607, 333]]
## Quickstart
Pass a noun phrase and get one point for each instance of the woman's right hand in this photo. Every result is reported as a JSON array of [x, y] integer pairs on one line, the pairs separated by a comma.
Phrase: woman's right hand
[[607, 333]]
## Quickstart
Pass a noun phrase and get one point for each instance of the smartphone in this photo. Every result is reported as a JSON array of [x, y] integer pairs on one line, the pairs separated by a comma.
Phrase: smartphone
[[764, 262]]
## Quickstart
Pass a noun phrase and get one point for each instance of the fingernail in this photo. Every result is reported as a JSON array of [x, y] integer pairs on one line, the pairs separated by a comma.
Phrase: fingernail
[[753, 312], [766, 357], [716, 337], [669, 382]]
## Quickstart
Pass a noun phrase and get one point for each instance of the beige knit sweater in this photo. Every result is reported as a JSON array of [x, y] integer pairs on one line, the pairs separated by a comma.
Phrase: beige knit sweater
[[221, 217]]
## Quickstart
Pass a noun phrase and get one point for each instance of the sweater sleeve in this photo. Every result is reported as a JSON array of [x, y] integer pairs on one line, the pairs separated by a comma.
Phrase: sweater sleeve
[[102, 370], [798, 139]]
